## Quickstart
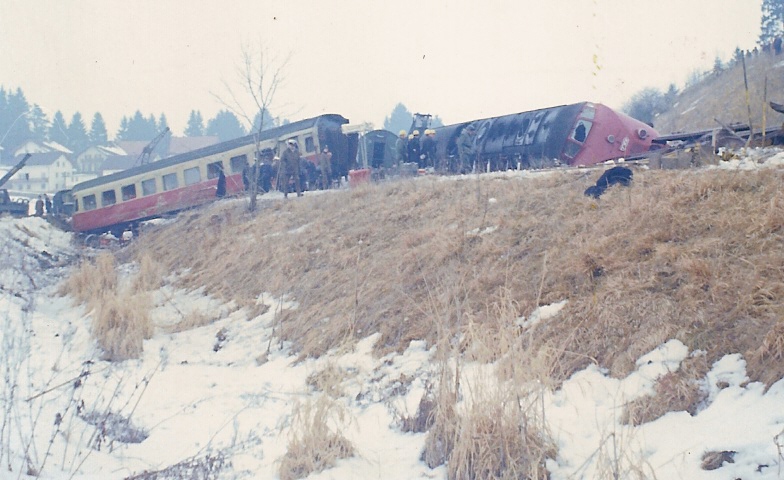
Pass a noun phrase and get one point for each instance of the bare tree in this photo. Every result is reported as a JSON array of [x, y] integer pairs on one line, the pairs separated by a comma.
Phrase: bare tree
[[258, 78]]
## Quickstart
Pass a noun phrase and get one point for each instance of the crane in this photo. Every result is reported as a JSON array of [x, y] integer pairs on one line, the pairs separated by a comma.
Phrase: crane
[[16, 168], [144, 157]]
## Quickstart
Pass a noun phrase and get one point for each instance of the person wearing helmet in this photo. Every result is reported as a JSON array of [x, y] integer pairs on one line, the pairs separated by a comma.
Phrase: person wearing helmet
[[401, 148], [415, 149], [466, 150], [289, 167], [429, 148]]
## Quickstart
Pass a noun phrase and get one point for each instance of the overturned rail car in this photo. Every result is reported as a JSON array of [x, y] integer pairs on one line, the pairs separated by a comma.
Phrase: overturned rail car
[[578, 134], [118, 201]]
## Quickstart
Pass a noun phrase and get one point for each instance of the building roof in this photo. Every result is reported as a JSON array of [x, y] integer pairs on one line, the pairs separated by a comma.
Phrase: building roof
[[179, 145], [38, 159], [54, 146], [118, 162], [132, 147]]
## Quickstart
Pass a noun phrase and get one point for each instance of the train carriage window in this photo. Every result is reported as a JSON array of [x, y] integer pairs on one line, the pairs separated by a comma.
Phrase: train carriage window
[[128, 192], [108, 198], [580, 132], [214, 169], [170, 181], [88, 202], [148, 187], [192, 175], [310, 146], [589, 111], [238, 163]]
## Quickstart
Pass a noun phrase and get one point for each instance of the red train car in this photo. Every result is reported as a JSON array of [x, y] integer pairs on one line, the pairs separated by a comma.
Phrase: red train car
[[578, 134], [120, 200]]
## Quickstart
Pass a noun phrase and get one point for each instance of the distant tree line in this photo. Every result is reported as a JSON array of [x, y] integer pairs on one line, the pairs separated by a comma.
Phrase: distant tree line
[[20, 121]]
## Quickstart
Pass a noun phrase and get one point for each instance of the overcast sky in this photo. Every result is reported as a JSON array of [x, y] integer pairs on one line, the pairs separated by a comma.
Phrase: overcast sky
[[460, 60]]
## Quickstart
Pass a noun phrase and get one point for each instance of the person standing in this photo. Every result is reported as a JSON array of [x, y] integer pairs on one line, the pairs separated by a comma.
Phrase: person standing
[[39, 207], [289, 167], [325, 165], [466, 150], [415, 149], [429, 148], [401, 148], [47, 205]]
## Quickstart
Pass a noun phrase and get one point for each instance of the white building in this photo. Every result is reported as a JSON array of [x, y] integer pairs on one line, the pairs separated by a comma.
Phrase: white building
[[43, 172]]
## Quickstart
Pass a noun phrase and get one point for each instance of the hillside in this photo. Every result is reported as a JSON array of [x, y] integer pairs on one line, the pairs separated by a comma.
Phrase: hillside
[[723, 97]]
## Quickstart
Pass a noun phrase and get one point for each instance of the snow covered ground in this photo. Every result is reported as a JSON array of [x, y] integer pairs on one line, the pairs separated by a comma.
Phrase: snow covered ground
[[211, 391]]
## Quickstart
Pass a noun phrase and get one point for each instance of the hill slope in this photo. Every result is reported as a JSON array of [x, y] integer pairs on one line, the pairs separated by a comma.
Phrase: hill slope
[[723, 97], [690, 255]]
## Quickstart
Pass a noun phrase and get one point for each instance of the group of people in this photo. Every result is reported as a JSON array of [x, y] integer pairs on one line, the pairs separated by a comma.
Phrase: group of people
[[288, 170], [42, 203], [423, 152]]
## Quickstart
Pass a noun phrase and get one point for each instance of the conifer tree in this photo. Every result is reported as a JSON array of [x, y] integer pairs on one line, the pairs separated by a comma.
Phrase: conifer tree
[[39, 124], [77, 134], [98, 134], [225, 126], [772, 24], [195, 126], [58, 130], [399, 119]]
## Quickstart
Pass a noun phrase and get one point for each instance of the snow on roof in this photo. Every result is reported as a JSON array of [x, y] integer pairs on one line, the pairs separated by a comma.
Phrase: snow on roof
[[58, 147]]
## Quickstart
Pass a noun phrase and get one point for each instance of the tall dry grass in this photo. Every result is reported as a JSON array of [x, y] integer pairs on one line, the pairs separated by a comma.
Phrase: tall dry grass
[[316, 442], [120, 314], [681, 254]]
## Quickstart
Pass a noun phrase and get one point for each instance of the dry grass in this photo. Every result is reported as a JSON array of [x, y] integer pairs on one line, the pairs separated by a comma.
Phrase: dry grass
[[681, 254], [120, 315], [314, 446], [674, 391]]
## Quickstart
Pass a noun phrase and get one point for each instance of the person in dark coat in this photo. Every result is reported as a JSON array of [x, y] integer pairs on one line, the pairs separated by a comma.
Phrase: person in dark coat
[[401, 148], [429, 148], [325, 165], [613, 176], [414, 149], [466, 150], [47, 204], [220, 191], [289, 167], [39, 207]]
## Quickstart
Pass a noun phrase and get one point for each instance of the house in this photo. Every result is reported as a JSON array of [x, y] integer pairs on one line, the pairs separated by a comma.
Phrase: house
[[32, 146], [91, 159], [44, 172]]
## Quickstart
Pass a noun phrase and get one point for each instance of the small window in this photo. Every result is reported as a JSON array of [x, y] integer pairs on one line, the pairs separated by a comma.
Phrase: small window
[[108, 198], [128, 192], [580, 132], [170, 181], [572, 149], [238, 163], [214, 169], [148, 187], [589, 111], [192, 175], [310, 146], [89, 202]]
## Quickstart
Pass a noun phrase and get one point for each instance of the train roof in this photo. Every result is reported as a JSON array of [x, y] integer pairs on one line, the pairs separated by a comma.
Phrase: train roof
[[272, 133]]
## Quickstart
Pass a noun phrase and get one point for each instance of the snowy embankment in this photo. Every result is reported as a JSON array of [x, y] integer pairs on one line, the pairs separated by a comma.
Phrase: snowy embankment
[[231, 394]]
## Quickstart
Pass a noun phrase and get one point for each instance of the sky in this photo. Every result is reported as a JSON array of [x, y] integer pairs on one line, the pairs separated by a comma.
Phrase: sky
[[458, 59], [192, 394]]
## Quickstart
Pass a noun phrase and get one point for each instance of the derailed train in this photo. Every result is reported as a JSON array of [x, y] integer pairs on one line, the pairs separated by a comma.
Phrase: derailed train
[[570, 135], [578, 134]]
